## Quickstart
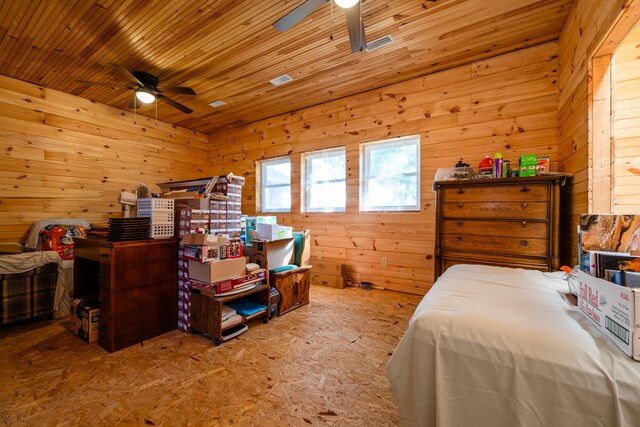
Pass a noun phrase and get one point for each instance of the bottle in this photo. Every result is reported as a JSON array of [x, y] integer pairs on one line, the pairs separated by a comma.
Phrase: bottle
[[506, 168], [497, 165], [486, 166]]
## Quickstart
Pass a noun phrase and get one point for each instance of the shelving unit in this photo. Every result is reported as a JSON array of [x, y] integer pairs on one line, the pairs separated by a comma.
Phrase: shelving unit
[[206, 309]]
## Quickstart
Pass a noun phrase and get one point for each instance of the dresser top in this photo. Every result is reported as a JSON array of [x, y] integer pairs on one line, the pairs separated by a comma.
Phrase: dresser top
[[495, 181], [102, 242]]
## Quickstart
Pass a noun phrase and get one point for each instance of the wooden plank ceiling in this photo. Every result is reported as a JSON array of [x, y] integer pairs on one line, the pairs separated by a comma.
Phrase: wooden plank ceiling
[[228, 50]]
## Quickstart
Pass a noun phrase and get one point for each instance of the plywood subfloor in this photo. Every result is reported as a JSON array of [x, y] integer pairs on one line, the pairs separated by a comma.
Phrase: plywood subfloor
[[322, 364]]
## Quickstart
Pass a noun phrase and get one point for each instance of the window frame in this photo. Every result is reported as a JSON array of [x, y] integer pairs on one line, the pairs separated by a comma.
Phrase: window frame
[[265, 164], [307, 184], [365, 173]]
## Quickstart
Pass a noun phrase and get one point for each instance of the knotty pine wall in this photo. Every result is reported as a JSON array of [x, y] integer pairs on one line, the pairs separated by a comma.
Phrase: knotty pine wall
[[507, 103], [586, 26], [65, 156], [626, 101]]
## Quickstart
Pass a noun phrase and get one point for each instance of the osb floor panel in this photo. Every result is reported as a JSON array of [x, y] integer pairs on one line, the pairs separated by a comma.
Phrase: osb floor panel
[[321, 364]]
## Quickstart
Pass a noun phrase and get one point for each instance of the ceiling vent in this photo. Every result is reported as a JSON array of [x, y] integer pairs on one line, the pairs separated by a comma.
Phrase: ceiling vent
[[216, 104], [378, 43], [285, 78]]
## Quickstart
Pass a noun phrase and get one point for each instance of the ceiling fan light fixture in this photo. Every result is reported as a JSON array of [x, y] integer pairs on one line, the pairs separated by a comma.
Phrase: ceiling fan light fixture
[[346, 4], [145, 96]]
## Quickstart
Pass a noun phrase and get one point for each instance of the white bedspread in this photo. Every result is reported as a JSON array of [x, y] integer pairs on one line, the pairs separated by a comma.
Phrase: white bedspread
[[492, 346]]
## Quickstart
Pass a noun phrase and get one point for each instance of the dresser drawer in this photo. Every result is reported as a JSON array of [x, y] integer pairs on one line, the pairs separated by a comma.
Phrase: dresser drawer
[[504, 193], [495, 244], [496, 228], [499, 210]]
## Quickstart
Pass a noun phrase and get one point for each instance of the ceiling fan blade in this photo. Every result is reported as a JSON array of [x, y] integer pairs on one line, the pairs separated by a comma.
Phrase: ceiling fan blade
[[102, 84], [174, 104], [127, 74], [298, 14], [356, 28], [176, 89]]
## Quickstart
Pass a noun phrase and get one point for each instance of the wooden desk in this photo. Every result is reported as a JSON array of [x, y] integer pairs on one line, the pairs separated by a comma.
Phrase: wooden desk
[[137, 286]]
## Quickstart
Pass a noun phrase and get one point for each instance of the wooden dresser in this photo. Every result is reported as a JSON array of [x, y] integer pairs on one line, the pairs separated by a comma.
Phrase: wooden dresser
[[510, 222], [136, 282]]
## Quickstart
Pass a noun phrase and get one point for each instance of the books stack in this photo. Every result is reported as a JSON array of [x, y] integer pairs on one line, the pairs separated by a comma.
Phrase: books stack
[[617, 267], [229, 317]]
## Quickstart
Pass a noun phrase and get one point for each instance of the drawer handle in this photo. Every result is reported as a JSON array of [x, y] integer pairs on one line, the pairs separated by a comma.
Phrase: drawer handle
[[460, 204], [102, 328], [524, 243], [524, 205], [524, 189], [460, 223], [103, 301], [461, 191], [524, 224], [104, 255], [103, 275], [459, 239]]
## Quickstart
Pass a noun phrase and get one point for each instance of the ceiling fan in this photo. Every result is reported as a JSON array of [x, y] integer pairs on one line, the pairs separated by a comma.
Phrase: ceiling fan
[[147, 89], [353, 9]]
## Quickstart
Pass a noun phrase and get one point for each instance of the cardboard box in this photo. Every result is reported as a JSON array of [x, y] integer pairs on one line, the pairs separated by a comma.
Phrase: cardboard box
[[201, 253], [339, 282], [543, 165], [272, 253], [329, 268], [216, 271], [528, 164], [273, 231], [613, 309], [252, 221], [200, 239], [84, 320]]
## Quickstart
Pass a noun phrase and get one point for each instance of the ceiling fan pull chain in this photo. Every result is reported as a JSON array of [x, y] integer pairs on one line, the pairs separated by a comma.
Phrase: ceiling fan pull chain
[[331, 29], [134, 108]]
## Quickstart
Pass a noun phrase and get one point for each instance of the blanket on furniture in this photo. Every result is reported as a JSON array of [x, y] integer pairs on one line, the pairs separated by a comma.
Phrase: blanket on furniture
[[493, 346], [21, 263]]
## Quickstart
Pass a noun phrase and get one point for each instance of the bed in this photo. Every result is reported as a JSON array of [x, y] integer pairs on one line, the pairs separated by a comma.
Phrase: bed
[[494, 346]]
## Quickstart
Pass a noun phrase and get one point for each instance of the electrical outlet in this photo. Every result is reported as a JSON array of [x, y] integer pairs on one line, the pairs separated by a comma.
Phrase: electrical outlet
[[319, 256], [383, 261]]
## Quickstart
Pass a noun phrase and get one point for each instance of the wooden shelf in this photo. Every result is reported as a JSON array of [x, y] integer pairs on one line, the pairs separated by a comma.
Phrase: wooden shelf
[[206, 309]]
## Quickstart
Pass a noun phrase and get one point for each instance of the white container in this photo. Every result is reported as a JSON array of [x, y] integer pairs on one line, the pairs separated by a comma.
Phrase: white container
[[158, 217], [161, 231], [273, 231], [155, 204]]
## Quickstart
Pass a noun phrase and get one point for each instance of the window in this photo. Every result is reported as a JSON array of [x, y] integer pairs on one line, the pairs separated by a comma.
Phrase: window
[[390, 179], [275, 185], [325, 187]]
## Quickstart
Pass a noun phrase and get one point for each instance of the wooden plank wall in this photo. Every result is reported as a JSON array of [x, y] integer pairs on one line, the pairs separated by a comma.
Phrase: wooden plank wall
[[507, 103], [626, 197], [65, 156], [587, 24]]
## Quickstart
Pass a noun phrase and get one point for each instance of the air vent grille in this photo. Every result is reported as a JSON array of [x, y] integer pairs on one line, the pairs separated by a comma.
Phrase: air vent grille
[[285, 78], [217, 104], [378, 43]]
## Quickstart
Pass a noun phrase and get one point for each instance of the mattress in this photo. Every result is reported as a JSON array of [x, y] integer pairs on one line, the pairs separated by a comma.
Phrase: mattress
[[493, 346]]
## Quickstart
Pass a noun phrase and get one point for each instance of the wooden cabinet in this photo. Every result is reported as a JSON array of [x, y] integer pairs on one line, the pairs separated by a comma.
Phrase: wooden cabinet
[[206, 309], [136, 283], [511, 222], [293, 286]]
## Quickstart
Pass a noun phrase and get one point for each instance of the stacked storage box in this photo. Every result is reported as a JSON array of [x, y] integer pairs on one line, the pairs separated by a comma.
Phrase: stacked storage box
[[161, 213], [229, 212], [183, 225]]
